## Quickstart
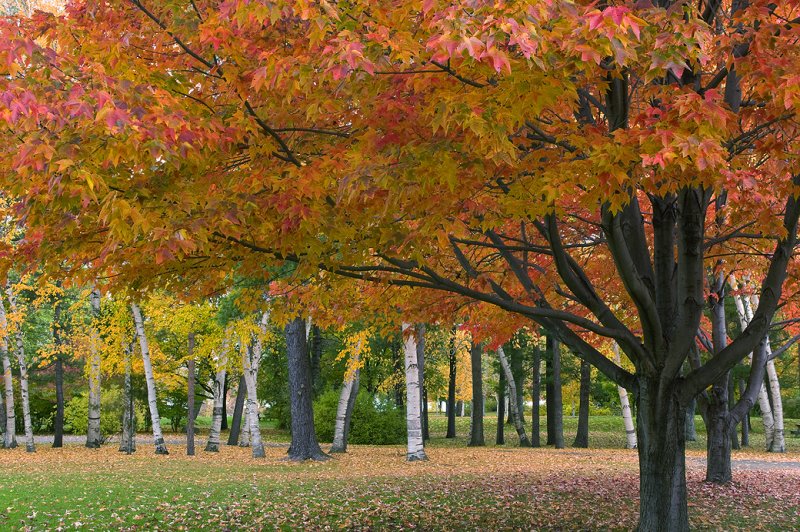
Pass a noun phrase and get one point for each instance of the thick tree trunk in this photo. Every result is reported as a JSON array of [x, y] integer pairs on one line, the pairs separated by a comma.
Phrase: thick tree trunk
[[23, 373], [2, 417], [500, 438], [549, 395], [190, 396], [513, 397], [554, 346], [691, 430], [536, 392], [778, 440], [421, 365], [93, 436], [416, 445], [244, 436], [251, 361], [627, 418], [344, 412], [316, 358], [718, 444], [662, 465], [236, 422], [451, 388], [152, 401], [216, 416], [476, 416], [304, 444], [9, 437], [58, 420], [582, 437], [127, 443], [515, 361]]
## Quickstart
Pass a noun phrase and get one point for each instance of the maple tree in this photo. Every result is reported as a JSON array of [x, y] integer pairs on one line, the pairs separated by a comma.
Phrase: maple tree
[[564, 162]]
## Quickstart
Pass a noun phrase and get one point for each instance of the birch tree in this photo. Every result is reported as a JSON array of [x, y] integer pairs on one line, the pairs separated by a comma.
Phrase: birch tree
[[127, 443], [9, 437], [416, 445], [221, 363], [152, 401], [778, 439], [250, 363], [348, 393], [513, 398], [627, 418], [93, 436], [23, 367]]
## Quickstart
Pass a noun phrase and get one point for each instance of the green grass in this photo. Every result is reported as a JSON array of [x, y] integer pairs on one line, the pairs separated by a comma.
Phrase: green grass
[[459, 488]]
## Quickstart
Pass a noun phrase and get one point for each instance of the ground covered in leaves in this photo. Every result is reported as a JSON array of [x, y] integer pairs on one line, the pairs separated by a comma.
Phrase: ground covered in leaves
[[370, 488]]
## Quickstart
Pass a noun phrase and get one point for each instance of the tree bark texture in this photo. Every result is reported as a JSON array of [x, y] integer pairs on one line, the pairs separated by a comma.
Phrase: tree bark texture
[[416, 445], [512, 395], [236, 422], [451, 388], [582, 436], [22, 362], [476, 438], [152, 401], [421, 365], [556, 437], [304, 445], [190, 395], [500, 438], [250, 364], [93, 436]]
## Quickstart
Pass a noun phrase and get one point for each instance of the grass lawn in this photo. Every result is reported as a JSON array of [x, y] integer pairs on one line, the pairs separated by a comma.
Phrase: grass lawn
[[459, 488]]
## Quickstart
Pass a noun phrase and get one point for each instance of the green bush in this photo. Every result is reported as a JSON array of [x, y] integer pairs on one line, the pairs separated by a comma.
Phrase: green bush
[[375, 421], [791, 407], [76, 412]]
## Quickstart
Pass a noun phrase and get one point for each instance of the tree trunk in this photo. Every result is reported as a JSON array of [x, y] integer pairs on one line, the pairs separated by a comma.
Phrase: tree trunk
[[421, 365], [691, 430], [536, 392], [662, 465], [476, 415], [127, 443], [224, 415], [2, 417], [9, 437], [734, 436], [93, 436], [344, 412], [627, 418], [236, 422], [746, 419], [58, 421], [316, 358], [216, 416], [515, 361], [512, 395], [416, 445], [500, 439], [250, 364], [778, 440], [244, 436], [745, 311], [304, 444], [582, 437], [152, 401], [557, 439], [718, 444], [451, 388], [190, 366], [23, 373]]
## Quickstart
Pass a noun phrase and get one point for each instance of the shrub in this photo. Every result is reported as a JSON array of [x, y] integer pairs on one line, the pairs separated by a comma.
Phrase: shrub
[[76, 412], [375, 421], [791, 407]]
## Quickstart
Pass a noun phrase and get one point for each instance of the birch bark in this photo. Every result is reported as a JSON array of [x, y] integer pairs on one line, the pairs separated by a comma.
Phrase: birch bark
[[23, 374], [93, 436], [513, 398], [219, 388], [9, 438], [627, 418], [416, 447], [158, 436]]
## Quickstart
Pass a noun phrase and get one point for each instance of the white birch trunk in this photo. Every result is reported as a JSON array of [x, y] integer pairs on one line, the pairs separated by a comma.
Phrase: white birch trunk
[[23, 374], [219, 387], [627, 418], [416, 446], [778, 444], [778, 441], [9, 438], [158, 436], [251, 360], [127, 442], [745, 312], [512, 397], [93, 436], [244, 434], [345, 407]]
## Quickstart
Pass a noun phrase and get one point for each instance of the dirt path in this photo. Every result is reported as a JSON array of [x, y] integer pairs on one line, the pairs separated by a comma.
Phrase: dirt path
[[750, 464]]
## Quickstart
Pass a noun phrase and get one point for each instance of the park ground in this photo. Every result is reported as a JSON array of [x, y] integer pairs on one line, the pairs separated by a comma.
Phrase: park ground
[[459, 488]]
